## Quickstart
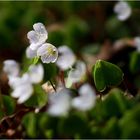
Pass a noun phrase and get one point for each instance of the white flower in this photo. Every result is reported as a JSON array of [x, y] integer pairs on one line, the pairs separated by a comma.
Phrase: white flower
[[76, 74], [36, 73], [38, 36], [137, 43], [86, 100], [123, 10], [11, 68], [48, 53], [14, 81], [59, 103], [31, 53], [66, 58], [22, 88], [38, 47]]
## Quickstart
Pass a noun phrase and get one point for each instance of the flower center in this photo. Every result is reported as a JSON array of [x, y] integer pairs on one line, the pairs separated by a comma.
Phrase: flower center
[[50, 50]]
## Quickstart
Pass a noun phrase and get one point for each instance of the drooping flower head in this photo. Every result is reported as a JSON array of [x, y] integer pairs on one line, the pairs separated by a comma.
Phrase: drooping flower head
[[86, 100], [48, 53], [66, 58], [123, 10]]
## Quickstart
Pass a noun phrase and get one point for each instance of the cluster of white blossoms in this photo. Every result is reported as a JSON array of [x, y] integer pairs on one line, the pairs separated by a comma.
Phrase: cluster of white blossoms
[[61, 101], [38, 46], [22, 85], [123, 10]]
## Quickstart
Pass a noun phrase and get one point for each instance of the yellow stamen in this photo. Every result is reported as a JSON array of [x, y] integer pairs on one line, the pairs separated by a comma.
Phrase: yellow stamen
[[50, 50]]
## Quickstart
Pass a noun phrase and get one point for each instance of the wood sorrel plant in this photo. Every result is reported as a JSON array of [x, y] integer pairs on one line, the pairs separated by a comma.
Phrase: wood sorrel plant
[[67, 102], [105, 75]]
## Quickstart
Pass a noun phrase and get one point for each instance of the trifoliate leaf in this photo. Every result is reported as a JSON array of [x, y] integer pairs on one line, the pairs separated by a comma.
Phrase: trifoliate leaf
[[106, 74]]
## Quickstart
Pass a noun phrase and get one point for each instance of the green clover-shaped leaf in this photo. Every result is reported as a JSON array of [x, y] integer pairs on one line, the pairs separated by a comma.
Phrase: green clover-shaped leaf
[[106, 74]]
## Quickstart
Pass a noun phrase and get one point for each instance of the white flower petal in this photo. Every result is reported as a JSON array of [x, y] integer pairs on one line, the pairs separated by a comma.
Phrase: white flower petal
[[86, 89], [36, 73], [22, 87], [30, 53], [26, 93], [25, 79], [38, 36], [11, 68], [42, 50], [18, 91], [86, 100], [40, 29], [66, 58], [48, 59], [59, 103], [48, 53], [77, 74], [33, 37], [14, 82], [123, 10]]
